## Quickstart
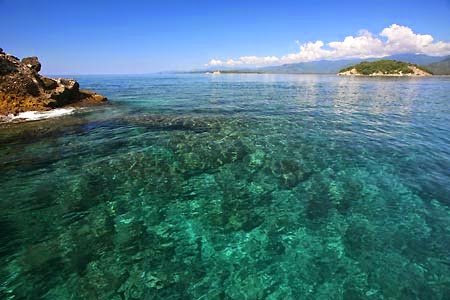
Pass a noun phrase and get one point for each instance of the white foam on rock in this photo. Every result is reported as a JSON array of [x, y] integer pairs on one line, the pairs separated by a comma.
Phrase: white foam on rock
[[40, 115]]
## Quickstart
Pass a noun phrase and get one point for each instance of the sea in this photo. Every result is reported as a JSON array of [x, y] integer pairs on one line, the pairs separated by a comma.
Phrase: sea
[[232, 186]]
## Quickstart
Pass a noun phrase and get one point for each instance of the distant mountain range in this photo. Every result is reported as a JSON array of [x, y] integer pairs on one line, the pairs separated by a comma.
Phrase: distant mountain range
[[441, 67], [437, 64]]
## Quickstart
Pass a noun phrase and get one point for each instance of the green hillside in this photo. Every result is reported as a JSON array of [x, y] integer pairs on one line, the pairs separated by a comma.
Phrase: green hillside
[[384, 67], [440, 68]]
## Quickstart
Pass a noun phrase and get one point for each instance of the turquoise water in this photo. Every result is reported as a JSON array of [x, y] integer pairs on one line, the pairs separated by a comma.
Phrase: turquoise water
[[232, 187]]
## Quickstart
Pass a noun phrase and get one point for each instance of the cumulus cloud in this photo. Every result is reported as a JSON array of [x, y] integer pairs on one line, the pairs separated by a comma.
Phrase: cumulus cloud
[[401, 39], [245, 60], [395, 39]]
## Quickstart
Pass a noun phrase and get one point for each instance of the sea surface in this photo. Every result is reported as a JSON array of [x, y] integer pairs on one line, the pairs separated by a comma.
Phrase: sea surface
[[231, 187]]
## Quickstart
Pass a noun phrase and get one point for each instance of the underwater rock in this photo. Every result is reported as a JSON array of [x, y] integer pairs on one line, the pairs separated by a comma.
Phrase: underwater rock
[[153, 282], [289, 172], [172, 122]]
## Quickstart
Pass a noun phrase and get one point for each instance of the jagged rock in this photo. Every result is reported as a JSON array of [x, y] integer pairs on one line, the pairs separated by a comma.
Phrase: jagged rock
[[23, 89], [32, 62], [67, 91], [48, 83], [7, 66], [91, 97]]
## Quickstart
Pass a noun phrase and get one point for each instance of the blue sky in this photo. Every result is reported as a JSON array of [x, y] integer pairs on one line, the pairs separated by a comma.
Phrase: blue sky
[[86, 37]]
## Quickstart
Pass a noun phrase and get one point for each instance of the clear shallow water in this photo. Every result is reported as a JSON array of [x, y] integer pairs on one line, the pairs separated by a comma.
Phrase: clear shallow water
[[232, 187]]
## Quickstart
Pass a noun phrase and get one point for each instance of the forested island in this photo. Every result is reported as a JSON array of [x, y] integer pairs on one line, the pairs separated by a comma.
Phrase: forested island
[[385, 68]]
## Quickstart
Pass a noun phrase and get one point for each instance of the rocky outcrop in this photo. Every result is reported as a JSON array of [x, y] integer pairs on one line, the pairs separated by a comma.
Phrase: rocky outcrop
[[32, 62], [23, 89]]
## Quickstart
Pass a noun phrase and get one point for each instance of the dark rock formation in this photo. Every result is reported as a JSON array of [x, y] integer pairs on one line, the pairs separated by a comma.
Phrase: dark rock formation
[[23, 89], [32, 62]]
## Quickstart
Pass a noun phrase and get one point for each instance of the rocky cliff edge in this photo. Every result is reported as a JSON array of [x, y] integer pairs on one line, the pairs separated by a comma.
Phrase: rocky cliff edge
[[23, 89]]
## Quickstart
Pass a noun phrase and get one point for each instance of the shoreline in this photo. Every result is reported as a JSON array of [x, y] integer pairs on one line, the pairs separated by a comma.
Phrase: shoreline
[[35, 115]]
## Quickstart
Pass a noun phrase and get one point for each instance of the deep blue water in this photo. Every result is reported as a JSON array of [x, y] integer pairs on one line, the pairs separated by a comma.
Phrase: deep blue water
[[232, 187]]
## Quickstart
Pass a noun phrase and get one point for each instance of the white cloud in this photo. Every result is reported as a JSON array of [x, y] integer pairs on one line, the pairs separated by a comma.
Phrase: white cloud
[[215, 62], [401, 39], [394, 39], [245, 60]]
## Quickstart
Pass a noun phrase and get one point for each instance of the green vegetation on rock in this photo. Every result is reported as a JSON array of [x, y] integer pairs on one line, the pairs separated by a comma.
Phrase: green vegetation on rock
[[384, 67]]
